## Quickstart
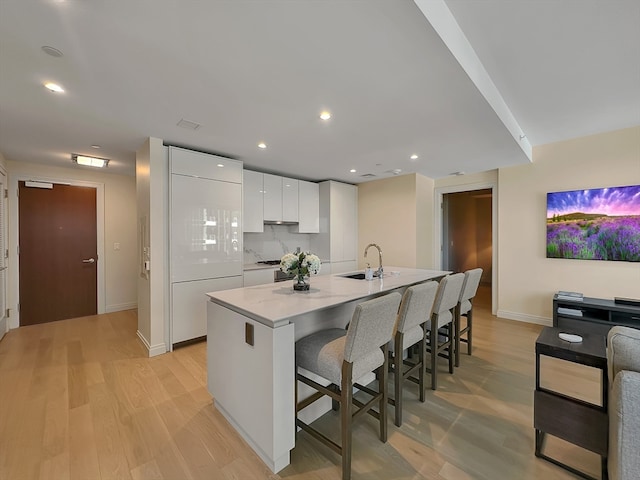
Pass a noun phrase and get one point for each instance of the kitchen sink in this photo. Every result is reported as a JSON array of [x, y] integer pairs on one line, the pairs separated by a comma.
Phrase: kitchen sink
[[355, 276]]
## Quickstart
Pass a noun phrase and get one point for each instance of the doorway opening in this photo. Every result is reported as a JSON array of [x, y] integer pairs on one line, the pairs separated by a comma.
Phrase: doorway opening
[[467, 237]]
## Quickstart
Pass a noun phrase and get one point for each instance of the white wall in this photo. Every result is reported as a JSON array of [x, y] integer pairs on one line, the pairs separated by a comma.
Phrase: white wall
[[526, 278], [152, 191], [120, 289], [397, 214], [4, 323]]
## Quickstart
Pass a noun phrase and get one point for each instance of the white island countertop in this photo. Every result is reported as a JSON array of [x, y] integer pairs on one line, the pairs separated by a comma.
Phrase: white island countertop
[[274, 304]]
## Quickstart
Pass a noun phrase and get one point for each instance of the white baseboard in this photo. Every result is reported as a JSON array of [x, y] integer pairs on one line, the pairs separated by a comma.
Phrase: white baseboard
[[525, 317], [120, 307], [155, 350]]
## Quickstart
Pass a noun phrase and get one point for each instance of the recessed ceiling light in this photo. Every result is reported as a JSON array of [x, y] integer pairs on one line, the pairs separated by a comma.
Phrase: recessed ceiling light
[[457, 174], [89, 161], [353, 170], [262, 145], [54, 52], [414, 157], [54, 87], [325, 115], [96, 146], [221, 165]]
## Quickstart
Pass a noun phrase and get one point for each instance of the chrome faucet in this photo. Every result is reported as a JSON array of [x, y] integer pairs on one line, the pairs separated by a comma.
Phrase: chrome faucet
[[380, 270]]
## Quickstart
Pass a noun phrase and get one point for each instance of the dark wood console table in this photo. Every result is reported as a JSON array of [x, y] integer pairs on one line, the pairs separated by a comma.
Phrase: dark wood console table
[[595, 315], [576, 421]]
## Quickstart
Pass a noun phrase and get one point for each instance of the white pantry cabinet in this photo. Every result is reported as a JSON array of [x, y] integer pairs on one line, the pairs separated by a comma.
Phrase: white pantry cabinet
[[253, 201]]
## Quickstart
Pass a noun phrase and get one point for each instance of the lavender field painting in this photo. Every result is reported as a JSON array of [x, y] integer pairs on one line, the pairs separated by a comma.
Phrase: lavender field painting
[[595, 224]]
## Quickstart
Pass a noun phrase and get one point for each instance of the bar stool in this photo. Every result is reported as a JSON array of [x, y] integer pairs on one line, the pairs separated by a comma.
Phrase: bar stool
[[343, 359], [465, 309], [442, 316], [415, 308]]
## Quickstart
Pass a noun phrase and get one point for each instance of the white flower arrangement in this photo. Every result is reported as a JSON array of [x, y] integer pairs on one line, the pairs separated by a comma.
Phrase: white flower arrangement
[[300, 264]]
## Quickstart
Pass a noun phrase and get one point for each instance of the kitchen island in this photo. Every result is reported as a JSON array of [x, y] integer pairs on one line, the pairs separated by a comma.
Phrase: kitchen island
[[251, 334]]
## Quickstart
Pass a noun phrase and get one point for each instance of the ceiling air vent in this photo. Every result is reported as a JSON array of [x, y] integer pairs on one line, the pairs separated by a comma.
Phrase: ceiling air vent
[[368, 175], [188, 124]]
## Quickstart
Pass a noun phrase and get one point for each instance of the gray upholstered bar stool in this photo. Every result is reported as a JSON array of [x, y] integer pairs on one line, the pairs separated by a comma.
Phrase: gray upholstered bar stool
[[415, 309], [465, 309], [343, 359], [442, 317]]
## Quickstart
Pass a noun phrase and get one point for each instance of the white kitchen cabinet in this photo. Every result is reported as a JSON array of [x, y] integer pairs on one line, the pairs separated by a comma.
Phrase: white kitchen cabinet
[[289, 199], [259, 276], [308, 207], [280, 199], [272, 198], [253, 201], [204, 165], [338, 236]]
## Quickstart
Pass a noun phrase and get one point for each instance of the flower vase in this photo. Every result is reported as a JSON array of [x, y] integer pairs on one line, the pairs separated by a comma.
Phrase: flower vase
[[301, 283]]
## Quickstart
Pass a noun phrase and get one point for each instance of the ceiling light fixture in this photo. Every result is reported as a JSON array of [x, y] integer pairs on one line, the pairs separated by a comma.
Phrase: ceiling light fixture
[[325, 115], [54, 52], [262, 145], [414, 157], [353, 170], [96, 146], [89, 161], [54, 87]]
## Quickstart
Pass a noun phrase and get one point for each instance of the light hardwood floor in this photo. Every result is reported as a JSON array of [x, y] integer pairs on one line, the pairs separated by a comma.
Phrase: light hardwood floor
[[79, 400]]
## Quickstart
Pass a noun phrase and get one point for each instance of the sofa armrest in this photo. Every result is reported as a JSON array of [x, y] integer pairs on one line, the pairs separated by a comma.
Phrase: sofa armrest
[[623, 350], [624, 427]]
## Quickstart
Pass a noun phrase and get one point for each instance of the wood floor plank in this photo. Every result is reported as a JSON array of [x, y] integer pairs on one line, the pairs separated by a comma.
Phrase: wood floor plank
[[83, 454], [81, 400]]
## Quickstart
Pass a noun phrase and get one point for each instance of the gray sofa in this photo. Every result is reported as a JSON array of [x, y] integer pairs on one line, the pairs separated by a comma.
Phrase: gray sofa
[[623, 357]]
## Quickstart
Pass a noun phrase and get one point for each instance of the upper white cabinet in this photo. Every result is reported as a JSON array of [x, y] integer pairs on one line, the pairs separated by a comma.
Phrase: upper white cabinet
[[338, 237], [253, 201], [289, 199], [272, 198], [204, 165], [308, 207], [275, 199], [280, 199]]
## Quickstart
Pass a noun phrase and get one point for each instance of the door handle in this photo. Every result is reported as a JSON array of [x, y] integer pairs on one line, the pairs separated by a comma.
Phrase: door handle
[[89, 260]]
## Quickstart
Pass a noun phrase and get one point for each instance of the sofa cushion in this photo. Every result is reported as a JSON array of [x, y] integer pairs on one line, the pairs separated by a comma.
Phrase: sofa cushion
[[624, 427]]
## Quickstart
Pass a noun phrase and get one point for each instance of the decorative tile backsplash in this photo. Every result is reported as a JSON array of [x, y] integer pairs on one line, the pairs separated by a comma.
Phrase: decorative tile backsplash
[[273, 243]]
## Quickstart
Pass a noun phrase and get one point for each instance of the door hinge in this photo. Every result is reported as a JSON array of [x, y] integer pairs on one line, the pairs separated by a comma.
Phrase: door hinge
[[6, 253], [8, 312], [6, 193]]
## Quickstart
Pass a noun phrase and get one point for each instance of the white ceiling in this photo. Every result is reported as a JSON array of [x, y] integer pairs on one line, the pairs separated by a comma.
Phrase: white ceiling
[[251, 71]]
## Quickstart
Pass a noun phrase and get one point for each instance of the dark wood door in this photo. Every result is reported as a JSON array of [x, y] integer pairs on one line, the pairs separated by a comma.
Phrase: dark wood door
[[57, 253]]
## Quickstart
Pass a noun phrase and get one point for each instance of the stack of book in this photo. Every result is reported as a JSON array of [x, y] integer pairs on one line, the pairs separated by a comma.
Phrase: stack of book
[[574, 296]]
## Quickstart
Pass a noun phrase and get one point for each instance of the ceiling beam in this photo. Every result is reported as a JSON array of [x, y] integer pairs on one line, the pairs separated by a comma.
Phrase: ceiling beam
[[443, 22]]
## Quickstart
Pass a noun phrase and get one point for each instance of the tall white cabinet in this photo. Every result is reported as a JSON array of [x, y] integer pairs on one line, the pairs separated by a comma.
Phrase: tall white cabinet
[[337, 240], [205, 236]]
